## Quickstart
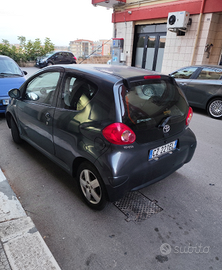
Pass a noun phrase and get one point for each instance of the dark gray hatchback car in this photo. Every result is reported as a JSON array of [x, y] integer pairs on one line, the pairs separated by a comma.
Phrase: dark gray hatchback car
[[202, 86], [115, 128]]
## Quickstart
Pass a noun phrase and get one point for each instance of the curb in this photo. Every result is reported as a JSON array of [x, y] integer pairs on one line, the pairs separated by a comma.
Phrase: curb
[[21, 245]]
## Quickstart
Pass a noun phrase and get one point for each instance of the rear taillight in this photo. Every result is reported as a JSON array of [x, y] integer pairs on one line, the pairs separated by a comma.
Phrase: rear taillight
[[74, 57], [189, 116], [119, 133]]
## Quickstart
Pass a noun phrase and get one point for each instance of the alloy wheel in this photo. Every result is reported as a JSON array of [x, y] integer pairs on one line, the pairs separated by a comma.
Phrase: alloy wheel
[[90, 186], [215, 108]]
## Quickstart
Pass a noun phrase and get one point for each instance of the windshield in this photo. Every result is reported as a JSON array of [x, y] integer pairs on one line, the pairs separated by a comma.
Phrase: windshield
[[48, 55], [148, 102], [9, 67]]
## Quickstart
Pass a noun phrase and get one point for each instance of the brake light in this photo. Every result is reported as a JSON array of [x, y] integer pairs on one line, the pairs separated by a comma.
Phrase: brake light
[[189, 116], [74, 57], [149, 77], [119, 133]]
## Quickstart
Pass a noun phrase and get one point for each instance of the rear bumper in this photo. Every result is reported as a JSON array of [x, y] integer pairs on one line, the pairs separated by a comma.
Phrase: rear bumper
[[131, 170]]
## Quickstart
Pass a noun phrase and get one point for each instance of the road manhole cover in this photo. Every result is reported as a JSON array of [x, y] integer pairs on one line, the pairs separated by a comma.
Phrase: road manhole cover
[[137, 207]]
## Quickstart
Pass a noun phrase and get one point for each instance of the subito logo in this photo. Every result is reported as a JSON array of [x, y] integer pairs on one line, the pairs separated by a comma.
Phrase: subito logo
[[165, 249]]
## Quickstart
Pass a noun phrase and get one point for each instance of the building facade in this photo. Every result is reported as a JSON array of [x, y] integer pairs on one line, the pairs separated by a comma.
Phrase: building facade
[[81, 47], [84, 48], [148, 42], [102, 47]]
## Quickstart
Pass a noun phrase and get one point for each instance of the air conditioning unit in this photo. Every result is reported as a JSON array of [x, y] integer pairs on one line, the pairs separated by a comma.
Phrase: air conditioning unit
[[178, 20]]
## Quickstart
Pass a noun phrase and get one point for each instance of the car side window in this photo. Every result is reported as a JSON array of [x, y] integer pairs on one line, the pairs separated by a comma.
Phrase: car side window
[[77, 93], [42, 88], [210, 74], [184, 73], [55, 56]]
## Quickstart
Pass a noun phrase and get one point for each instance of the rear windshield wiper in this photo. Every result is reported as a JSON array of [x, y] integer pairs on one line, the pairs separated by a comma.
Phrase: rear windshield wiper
[[166, 120]]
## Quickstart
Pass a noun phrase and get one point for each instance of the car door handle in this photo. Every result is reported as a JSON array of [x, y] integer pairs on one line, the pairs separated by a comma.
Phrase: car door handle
[[47, 116], [183, 83]]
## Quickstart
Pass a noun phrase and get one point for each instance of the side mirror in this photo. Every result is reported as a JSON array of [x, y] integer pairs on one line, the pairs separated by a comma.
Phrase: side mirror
[[25, 72], [14, 93]]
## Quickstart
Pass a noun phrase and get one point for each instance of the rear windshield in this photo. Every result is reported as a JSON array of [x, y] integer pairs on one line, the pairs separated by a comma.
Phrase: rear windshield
[[148, 102]]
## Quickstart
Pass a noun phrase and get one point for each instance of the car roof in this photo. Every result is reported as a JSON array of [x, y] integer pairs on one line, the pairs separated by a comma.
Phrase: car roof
[[61, 52], [204, 66], [116, 72]]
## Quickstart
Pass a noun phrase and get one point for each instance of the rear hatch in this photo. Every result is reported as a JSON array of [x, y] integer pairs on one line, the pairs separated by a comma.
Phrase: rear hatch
[[153, 107]]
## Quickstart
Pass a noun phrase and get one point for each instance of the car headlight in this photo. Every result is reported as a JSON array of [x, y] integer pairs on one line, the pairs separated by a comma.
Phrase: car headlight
[[43, 60]]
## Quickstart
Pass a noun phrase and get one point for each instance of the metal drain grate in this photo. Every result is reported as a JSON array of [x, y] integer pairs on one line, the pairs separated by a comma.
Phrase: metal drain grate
[[137, 207]]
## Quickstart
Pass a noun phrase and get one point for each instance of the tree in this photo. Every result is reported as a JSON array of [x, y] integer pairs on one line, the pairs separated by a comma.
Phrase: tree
[[5, 48], [22, 42], [27, 51], [48, 46]]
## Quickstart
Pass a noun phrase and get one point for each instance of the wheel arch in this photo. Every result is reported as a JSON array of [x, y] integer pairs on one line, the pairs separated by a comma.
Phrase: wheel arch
[[8, 117], [77, 162]]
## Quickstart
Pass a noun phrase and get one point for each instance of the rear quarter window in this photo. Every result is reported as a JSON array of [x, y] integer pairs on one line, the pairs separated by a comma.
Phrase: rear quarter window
[[77, 93], [210, 74]]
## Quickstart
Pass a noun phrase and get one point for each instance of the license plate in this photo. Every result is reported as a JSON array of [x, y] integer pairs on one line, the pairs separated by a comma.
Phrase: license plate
[[159, 151], [5, 101]]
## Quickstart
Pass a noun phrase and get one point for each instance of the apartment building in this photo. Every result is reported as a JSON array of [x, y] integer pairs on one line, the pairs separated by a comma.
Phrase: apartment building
[[102, 47], [84, 48], [149, 42], [81, 47]]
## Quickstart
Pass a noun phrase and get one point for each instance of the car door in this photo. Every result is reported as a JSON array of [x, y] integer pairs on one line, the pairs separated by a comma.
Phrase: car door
[[205, 85], [58, 58], [36, 110], [73, 109], [184, 78], [70, 58], [65, 58]]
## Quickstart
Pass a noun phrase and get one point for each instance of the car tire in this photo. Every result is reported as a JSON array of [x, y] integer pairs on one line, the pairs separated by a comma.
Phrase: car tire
[[214, 108], [15, 132], [91, 186]]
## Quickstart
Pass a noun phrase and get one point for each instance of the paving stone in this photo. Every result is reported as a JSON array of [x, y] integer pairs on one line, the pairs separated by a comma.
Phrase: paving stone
[[21, 245], [4, 264]]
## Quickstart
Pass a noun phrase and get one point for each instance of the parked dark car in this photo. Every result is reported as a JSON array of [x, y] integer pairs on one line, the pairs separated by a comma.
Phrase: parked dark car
[[11, 76], [115, 128], [55, 58], [202, 86]]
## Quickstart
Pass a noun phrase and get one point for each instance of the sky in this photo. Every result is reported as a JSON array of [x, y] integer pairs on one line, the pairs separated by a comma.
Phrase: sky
[[61, 21]]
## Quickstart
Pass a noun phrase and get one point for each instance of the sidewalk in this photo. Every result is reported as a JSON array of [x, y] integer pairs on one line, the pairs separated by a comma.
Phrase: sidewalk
[[21, 245]]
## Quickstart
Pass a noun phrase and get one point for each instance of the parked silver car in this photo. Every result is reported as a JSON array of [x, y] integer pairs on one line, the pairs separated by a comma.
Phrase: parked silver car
[[202, 86]]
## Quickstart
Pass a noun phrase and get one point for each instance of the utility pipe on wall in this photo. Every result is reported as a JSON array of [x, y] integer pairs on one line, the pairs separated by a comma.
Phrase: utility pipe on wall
[[198, 30]]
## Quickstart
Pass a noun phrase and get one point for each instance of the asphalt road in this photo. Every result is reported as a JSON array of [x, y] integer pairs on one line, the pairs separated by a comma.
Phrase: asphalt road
[[185, 235]]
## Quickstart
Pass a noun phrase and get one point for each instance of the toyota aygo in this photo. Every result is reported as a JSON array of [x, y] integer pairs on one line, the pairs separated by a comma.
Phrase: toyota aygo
[[114, 128]]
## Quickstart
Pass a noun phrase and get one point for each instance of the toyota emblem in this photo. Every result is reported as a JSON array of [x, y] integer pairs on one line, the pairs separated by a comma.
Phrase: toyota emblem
[[166, 128]]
